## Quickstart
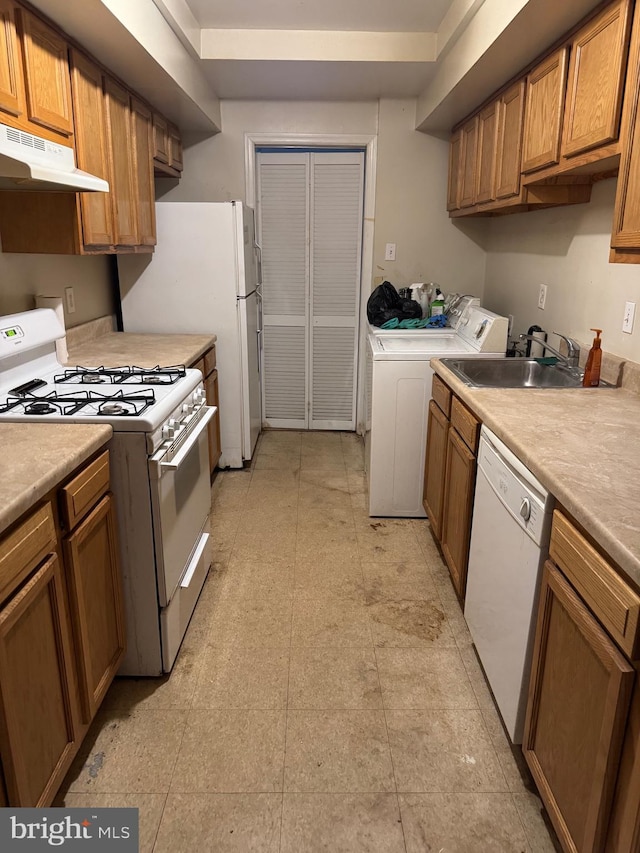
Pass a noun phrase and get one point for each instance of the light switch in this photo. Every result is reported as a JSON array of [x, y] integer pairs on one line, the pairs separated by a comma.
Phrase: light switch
[[390, 252], [629, 316]]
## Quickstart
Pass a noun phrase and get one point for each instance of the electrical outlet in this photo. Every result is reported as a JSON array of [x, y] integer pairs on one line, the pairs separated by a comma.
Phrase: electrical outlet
[[629, 317], [542, 296], [70, 300], [390, 252]]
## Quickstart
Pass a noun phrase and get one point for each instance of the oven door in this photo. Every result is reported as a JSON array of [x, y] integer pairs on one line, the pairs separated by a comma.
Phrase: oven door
[[180, 499]]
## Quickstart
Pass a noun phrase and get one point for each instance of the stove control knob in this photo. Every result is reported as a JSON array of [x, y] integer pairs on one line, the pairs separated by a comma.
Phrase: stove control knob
[[198, 397], [169, 429], [187, 408]]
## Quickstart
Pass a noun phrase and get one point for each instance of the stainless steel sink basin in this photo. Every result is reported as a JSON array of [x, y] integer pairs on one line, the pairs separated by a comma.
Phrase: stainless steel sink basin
[[514, 373]]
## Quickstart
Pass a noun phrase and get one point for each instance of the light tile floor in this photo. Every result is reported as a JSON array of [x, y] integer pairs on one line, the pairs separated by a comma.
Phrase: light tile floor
[[326, 697]]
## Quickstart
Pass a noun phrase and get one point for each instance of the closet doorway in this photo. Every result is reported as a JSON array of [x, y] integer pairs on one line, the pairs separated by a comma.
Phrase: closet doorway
[[309, 213]]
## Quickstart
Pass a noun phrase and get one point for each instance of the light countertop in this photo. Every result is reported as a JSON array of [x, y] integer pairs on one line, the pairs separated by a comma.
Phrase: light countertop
[[582, 444], [36, 457], [114, 349]]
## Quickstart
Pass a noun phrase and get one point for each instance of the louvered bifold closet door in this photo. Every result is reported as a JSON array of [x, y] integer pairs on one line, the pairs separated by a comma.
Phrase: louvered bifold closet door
[[337, 184], [283, 181]]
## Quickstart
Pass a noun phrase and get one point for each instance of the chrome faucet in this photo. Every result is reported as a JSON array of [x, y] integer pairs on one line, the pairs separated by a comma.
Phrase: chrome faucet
[[571, 359]]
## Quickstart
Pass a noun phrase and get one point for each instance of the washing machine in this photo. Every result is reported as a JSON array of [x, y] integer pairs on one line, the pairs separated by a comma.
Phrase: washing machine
[[398, 392]]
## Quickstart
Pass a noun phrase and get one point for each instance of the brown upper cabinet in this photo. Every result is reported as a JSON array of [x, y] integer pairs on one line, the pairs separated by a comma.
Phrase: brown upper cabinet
[[625, 240], [596, 81], [167, 148], [509, 141], [543, 112], [556, 126], [52, 88], [142, 129], [468, 164], [46, 74], [123, 184], [35, 93], [453, 190], [11, 80], [92, 150], [160, 139], [487, 140]]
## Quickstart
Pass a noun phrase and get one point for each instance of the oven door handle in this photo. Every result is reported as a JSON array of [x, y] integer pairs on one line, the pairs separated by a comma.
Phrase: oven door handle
[[182, 454]]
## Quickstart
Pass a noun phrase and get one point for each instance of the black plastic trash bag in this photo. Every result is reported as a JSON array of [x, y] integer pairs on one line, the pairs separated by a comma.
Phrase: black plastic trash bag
[[385, 304]]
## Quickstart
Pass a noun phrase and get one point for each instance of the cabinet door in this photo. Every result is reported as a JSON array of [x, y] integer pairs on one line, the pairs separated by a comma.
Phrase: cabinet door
[[543, 112], [460, 479], [46, 72], [11, 81], [509, 144], [143, 156], [453, 190], [211, 390], [468, 160], [579, 697], [596, 81], [37, 713], [92, 148], [95, 596], [123, 185], [175, 147], [487, 149], [435, 465], [160, 139]]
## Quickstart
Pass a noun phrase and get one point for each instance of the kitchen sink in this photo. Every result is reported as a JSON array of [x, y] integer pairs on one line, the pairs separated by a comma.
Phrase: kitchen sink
[[515, 373]]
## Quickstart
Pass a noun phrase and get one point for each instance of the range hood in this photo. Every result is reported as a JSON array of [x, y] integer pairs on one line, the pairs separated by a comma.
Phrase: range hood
[[29, 162]]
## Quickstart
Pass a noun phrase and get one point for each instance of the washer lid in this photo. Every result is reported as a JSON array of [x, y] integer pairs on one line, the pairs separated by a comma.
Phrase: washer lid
[[402, 348]]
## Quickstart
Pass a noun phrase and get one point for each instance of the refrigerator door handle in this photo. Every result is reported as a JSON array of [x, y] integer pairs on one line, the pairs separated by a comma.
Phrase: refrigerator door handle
[[258, 249]]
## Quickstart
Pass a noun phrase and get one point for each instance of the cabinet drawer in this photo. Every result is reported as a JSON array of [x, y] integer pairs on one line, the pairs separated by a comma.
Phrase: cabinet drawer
[[441, 394], [466, 423], [199, 365], [614, 603], [209, 361], [22, 550], [84, 491]]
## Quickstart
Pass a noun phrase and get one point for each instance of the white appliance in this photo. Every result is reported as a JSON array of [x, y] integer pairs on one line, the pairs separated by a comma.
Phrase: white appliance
[[159, 459], [509, 542], [203, 278], [398, 392], [29, 162]]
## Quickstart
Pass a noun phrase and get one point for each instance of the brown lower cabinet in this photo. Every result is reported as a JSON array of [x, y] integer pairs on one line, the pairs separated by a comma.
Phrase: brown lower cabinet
[[207, 366], [61, 631], [450, 478], [39, 735], [577, 739], [97, 611]]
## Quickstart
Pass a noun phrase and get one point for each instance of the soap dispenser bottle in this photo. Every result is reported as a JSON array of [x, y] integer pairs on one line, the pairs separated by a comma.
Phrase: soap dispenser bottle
[[591, 378]]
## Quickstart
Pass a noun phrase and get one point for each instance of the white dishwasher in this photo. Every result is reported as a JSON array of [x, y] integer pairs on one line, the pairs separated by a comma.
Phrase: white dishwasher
[[509, 543]]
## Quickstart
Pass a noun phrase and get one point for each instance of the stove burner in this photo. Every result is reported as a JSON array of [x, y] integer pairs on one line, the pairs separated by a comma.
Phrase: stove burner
[[39, 408], [113, 403], [112, 409], [129, 375]]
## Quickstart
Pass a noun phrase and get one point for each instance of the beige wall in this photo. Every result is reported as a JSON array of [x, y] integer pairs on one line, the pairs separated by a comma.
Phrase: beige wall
[[410, 210], [24, 276], [568, 250], [411, 177]]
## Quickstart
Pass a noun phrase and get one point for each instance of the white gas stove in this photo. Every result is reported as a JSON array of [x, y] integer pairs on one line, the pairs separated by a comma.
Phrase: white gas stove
[[159, 470]]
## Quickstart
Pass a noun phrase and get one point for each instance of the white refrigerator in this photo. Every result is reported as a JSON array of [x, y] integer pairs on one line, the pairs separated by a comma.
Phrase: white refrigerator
[[204, 278]]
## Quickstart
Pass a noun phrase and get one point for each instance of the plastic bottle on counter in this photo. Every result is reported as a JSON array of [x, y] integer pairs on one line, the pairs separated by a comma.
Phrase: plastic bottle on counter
[[591, 378], [437, 304]]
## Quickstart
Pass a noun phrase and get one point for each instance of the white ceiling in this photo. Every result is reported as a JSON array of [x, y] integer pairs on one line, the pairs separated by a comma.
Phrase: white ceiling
[[448, 54], [363, 15]]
